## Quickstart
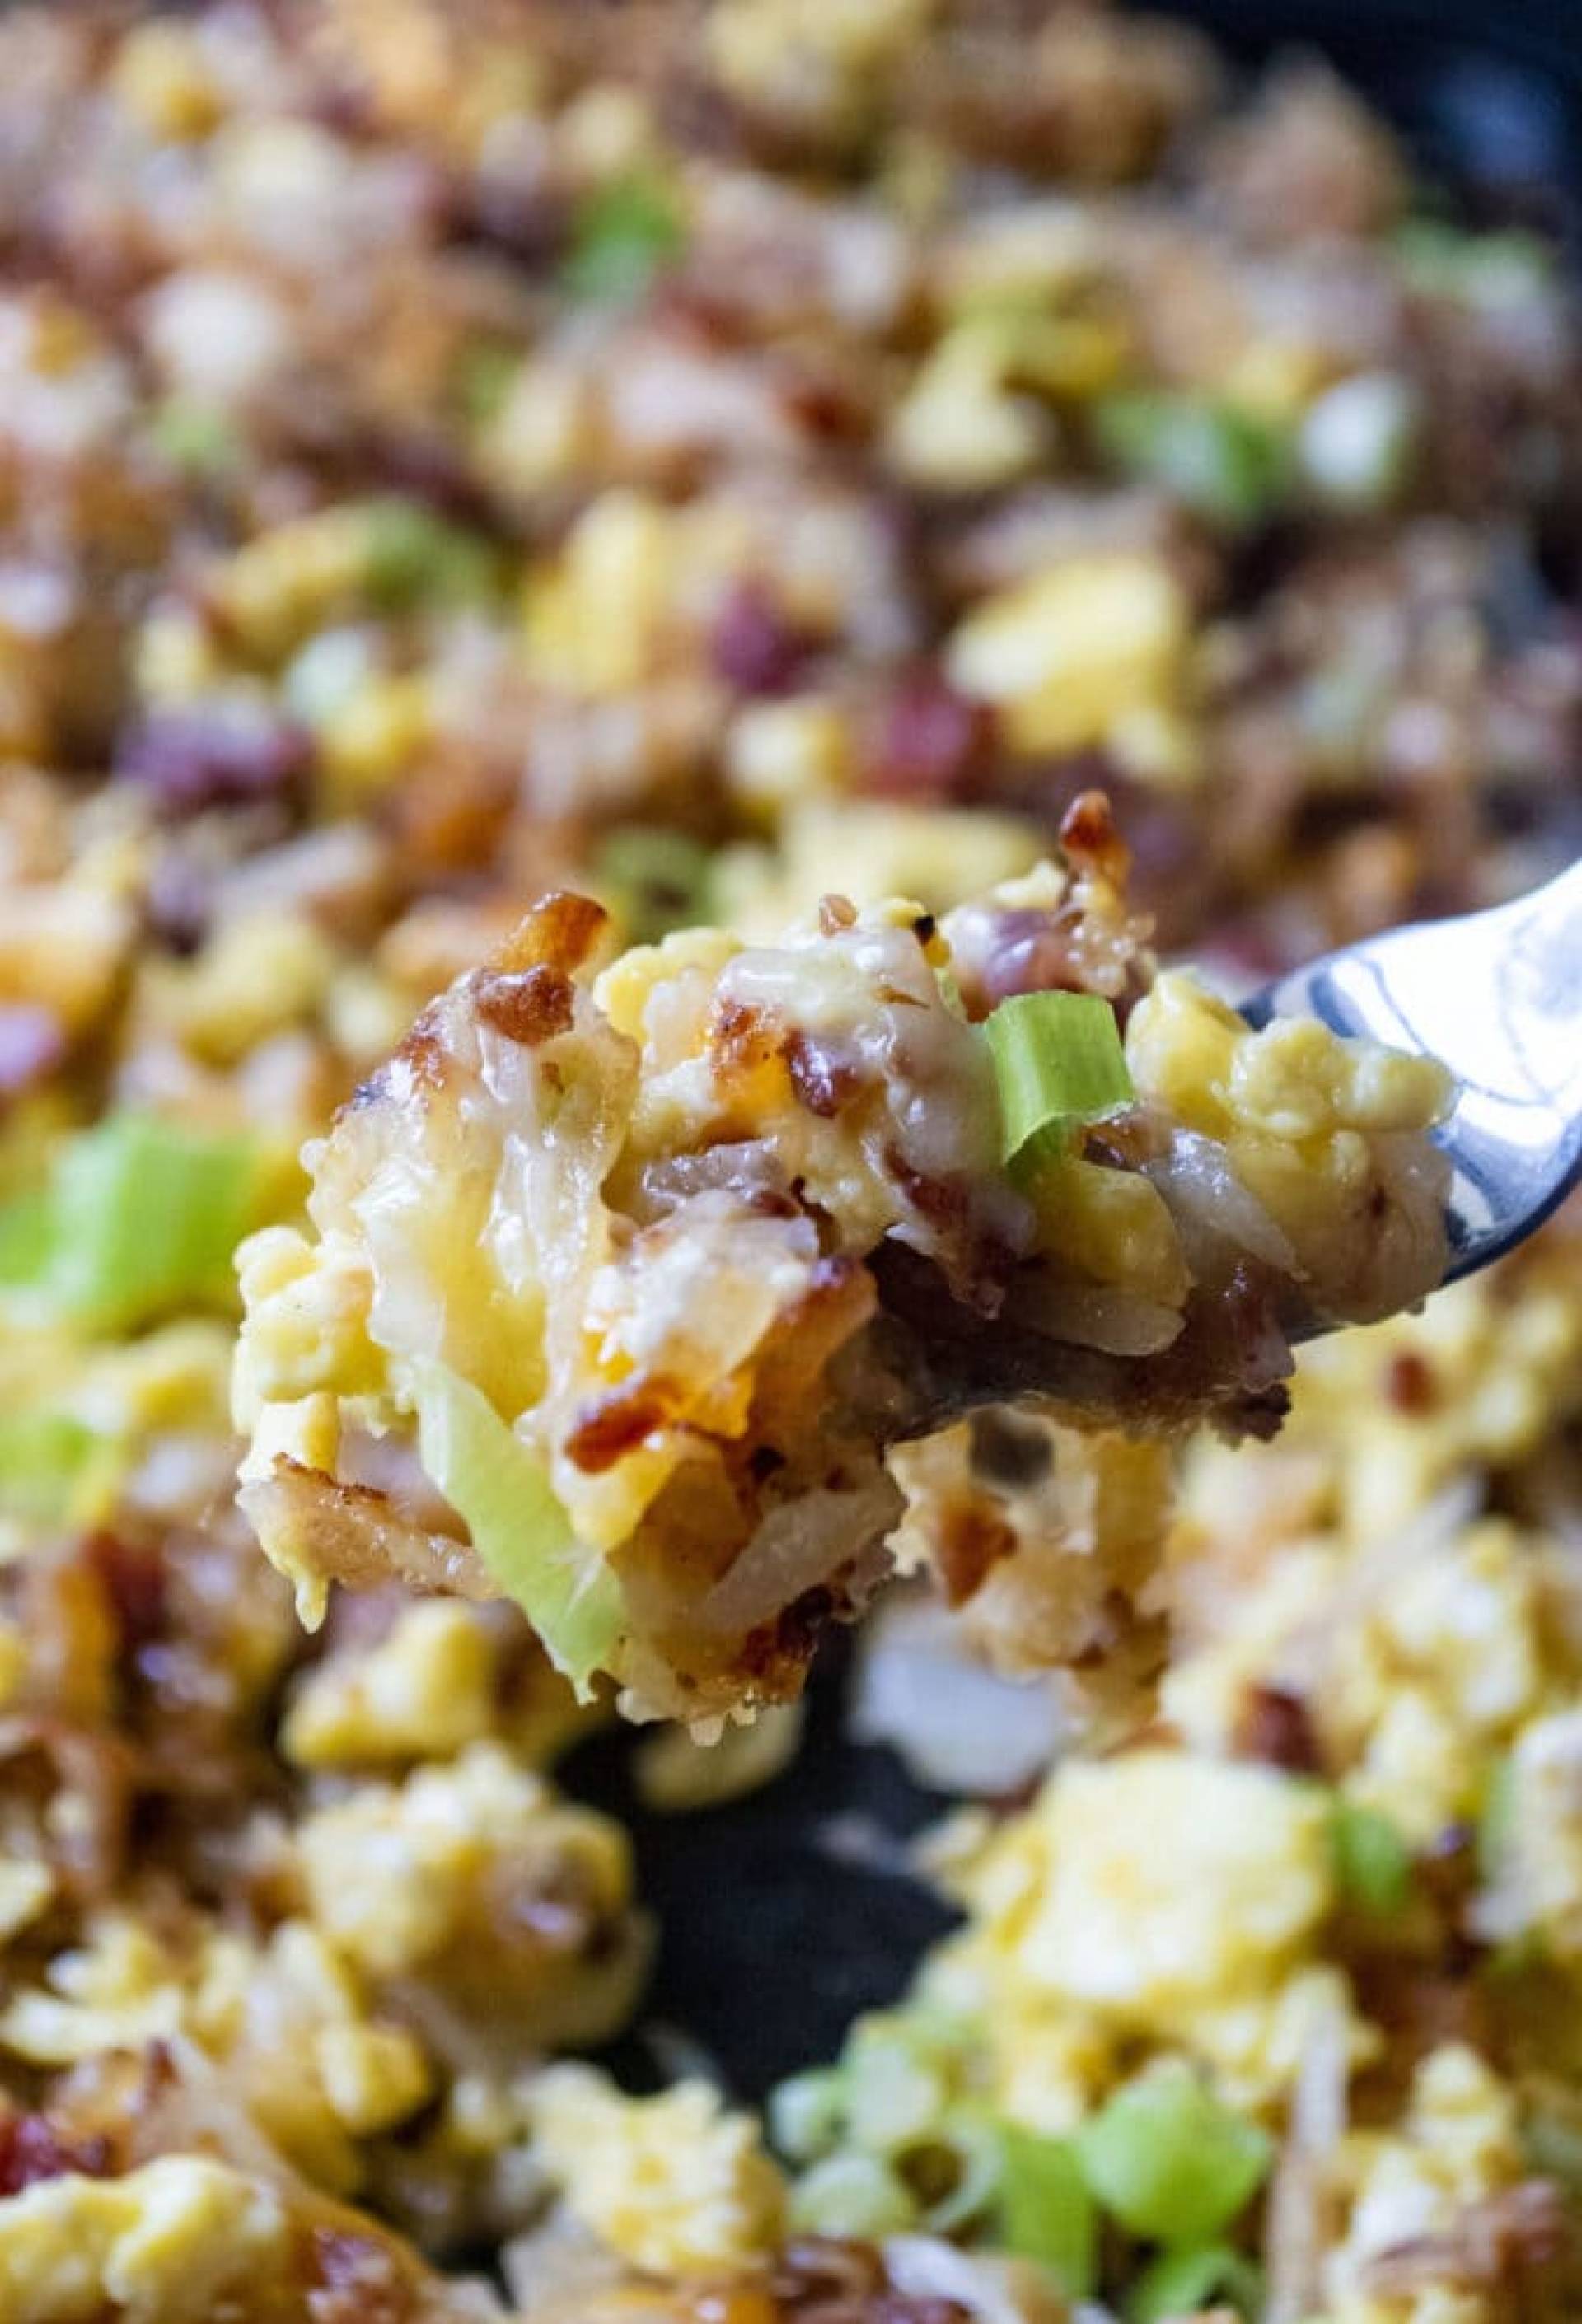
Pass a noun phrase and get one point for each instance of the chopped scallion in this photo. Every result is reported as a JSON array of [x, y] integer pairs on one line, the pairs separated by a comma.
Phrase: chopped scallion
[[807, 2114], [1226, 464], [655, 879], [484, 380], [1496, 1818], [1552, 2144], [518, 1526], [624, 233], [1168, 2161], [1058, 1062], [973, 2146], [894, 2094], [1372, 1862], [196, 437], [140, 1219], [1181, 2283], [1490, 270], [1046, 2211], [849, 2194], [412, 557], [55, 1470]]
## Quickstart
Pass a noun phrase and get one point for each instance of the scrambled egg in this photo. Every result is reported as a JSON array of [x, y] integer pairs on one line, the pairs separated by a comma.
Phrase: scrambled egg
[[172, 2244], [1404, 2258], [1073, 654], [675, 2184], [1151, 1897], [447, 1874], [425, 1691]]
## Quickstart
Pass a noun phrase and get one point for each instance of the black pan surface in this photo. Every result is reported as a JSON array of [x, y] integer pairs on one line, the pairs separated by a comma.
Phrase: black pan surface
[[785, 1915]]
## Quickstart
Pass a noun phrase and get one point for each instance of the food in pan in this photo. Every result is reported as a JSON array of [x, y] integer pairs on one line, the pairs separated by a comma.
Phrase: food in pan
[[651, 1264], [708, 458]]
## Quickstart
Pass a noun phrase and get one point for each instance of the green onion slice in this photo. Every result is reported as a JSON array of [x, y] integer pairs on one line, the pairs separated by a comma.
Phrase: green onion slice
[[624, 234], [657, 880], [895, 2094], [1439, 261], [139, 1221], [1058, 1062], [55, 1470], [807, 2114], [973, 2144], [1179, 2284], [1372, 1860], [1226, 464], [1497, 1819], [851, 2194], [518, 1526], [1168, 2161], [199, 438], [413, 557], [1046, 2211]]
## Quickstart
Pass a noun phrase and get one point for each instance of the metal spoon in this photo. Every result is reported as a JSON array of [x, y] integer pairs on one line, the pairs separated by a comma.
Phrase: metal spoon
[[1495, 995]]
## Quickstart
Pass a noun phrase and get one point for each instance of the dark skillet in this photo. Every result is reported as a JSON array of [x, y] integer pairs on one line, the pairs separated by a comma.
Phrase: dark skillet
[[772, 1940]]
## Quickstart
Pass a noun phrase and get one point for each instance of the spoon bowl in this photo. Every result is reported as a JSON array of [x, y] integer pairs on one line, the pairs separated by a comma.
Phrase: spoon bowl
[[1497, 996]]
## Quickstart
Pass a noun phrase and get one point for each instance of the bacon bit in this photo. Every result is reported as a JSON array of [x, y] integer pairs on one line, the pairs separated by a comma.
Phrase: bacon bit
[[32, 1042], [354, 2280], [560, 932], [1124, 1143], [1114, 1619], [840, 1298], [797, 1627], [427, 468], [1449, 1868], [815, 2266], [1421, 2009], [524, 216], [190, 759], [970, 1539], [531, 1006], [751, 644], [732, 2303], [931, 743], [942, 1201], [1170, 871], [907, 2307], [1410, 1383], [1009, 1450], [742, 1037], [1089, 839], [1033, 951], [32, 2150], [357, 1536], [612, 1426], [825, 2280], [421, 1062], [1503, 2244], [825, 1083], [179, 903], [134, 1579], [821, 405], [836, 913], [450, 817], [1276, 1727]]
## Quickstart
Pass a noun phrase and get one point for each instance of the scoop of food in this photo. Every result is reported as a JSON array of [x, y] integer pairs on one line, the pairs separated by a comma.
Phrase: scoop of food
[[652, 1263]]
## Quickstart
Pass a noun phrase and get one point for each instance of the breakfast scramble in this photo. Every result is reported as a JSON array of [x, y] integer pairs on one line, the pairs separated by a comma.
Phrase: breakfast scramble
[[658, 666]]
